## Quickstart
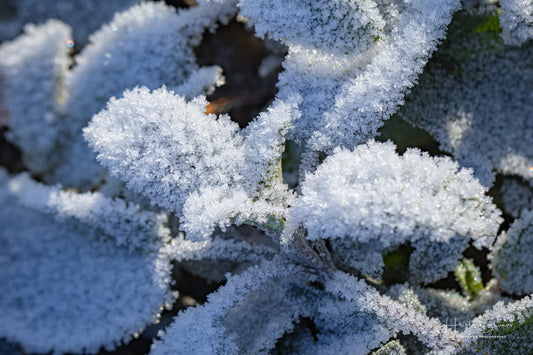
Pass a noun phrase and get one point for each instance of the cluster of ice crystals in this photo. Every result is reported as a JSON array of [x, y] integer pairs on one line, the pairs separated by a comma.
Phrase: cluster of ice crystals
[[201, 81], [406, 296], [450, 307], [474, 84], [221, 207], [511, 256], [517, 21], [65, 286], [340, 26], [41, 54], [165, 147], [264, 143]]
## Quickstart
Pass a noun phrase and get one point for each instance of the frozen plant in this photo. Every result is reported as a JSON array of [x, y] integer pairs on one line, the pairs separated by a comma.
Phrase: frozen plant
[[374, 250], [118, 57]]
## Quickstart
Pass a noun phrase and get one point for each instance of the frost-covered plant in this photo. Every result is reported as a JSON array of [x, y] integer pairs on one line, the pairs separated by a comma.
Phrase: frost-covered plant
[[117, 58], [352, 260], [79, 271]]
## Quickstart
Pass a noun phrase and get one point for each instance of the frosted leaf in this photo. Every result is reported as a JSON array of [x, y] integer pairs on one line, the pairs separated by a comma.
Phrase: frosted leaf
[[164, 147], [257, 324], [194, 164], [347, 98], [342, 26], [373, 194], [503, 329], [516, 196], [212, 207], [67, 287], [218, 326], [511, 256], [517, 21], [121, 56], [32, 70], [394, 198], [475, 99], [84, 16]]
